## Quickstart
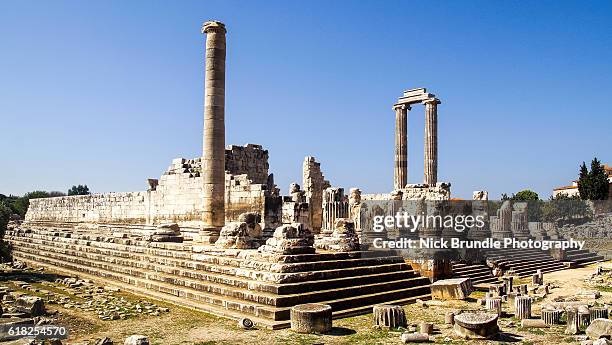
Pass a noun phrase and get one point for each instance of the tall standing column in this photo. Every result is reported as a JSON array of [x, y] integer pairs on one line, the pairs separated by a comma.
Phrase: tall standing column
[[400, 177], [213, 158], [431, 141]]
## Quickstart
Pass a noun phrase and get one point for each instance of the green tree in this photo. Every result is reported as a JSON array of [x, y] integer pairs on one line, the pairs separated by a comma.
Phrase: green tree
[[526, 195], [5, 214], [593, 185], [21, 204], [79, 190]]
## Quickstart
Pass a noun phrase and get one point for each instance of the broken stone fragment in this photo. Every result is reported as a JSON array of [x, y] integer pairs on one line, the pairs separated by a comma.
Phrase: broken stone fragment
[[451, 289], [136, 340], [31, 305], [599, 328], [409, 338]]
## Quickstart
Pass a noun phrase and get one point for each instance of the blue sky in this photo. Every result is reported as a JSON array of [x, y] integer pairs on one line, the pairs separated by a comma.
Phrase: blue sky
[[107, 93]]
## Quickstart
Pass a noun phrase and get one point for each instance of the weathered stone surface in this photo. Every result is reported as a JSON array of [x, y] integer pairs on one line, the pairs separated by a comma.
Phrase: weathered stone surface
[[342, 239], [572, 324], [599, 328], [551, 316], [476, 325], [104, 341], [311, 318], [533, 323], [136, 340], [242, 234], [522, 307], [426, 327], [389, 316], [410, 338], [450, 289], [33, 306], [289, 239]]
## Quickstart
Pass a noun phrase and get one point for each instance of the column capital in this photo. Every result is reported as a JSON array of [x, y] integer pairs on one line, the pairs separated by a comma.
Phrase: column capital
[[431, 101], [401, 106], [213, 26]]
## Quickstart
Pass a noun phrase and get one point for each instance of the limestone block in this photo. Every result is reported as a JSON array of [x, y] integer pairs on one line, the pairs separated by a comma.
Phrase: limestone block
[[290, 239], [311, 318], [450, 289], [34, 306], [599, 328]]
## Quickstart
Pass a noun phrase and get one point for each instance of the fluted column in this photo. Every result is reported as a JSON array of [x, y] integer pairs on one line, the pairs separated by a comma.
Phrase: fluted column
[[431, 141], [400, 177], [213, 157]]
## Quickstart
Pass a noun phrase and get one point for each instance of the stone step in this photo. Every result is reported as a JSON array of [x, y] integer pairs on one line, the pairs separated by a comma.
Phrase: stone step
[[245, 291], [168, 249], [219, 269], [232, 304]]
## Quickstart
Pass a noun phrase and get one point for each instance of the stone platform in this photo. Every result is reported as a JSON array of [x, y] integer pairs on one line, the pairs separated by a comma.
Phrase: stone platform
[[228, 283]]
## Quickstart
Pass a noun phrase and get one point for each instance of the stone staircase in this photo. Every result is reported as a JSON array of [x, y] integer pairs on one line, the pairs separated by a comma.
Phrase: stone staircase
[[582, 257], [228, 283], [524, 262], [478, 273]]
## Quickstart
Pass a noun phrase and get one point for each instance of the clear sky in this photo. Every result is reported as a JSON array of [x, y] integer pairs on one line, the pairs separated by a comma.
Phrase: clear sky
[[108, 93]]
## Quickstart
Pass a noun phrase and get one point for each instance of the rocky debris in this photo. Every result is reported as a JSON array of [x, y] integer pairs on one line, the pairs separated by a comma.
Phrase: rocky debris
[[342, 239], [169, 232], [103, 341], [599, 328], [136, 340], [451, 289], [30, 305], [243, 234], [289, 239]]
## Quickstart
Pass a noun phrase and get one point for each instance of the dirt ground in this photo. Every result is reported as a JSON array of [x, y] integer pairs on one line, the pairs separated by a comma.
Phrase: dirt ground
[[185, 326]]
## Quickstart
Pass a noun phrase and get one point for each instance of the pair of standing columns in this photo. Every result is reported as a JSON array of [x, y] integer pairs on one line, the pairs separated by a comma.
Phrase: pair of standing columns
[[401, 144]]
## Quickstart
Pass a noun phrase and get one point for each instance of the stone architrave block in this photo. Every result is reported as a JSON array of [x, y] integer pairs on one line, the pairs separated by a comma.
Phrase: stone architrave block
[[451, 289]]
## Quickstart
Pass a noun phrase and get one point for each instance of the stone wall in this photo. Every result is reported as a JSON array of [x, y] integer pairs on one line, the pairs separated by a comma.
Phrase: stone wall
[[177, 197], [314, 183], [250, 159]]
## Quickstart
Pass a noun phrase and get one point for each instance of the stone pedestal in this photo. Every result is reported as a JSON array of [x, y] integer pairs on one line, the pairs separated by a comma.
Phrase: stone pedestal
[[389, 316], [598, 313], [572, 321], [551, 316], [311, 318], [494, 305], [522, 307], [476, 325]]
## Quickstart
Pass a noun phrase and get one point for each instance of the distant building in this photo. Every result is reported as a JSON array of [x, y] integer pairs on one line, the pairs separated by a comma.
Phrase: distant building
[[572, 190]]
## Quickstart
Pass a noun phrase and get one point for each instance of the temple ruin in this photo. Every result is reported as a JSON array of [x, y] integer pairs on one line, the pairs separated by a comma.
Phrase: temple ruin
[[215, 232]]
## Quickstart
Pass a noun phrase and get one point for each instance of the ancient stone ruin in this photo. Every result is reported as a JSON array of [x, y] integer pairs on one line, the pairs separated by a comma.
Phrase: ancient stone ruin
[[214, 232]]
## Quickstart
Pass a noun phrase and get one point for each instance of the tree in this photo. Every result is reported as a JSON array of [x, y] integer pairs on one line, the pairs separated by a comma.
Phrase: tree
[[21, 204], [526, 195], [563, 209], [5, 215], [584, 181], [593, 185], [79, 190]]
